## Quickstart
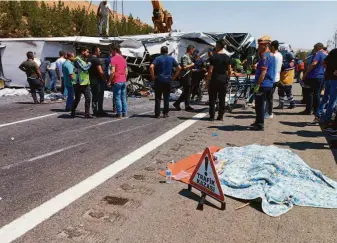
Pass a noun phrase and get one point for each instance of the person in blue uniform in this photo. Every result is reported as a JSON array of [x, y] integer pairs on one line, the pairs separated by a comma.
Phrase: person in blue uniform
[[264, 81]]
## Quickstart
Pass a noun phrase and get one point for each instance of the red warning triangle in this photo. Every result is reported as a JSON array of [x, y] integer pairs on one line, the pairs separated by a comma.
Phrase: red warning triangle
[[205, 177]]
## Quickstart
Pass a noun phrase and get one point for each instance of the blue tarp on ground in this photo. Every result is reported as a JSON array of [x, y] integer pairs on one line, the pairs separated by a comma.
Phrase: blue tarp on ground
[[278, 176]]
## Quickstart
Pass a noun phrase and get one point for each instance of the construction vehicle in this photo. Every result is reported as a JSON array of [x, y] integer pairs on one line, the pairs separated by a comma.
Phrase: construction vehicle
[[162, 19]]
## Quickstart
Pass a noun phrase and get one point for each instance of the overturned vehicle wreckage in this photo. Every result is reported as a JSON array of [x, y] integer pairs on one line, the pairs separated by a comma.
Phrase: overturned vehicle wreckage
[[139, 51]]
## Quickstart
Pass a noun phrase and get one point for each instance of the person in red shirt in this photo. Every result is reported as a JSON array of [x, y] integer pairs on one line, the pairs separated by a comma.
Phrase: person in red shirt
[[118, 78]]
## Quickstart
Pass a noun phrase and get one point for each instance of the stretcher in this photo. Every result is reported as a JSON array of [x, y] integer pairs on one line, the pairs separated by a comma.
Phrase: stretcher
[[240, 87]]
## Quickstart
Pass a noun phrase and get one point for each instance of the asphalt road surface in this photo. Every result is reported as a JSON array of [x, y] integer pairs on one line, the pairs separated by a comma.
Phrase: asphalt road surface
[[53, 160]]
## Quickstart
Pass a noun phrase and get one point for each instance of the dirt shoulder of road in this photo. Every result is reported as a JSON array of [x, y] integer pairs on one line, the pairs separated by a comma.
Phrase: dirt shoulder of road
[[148, 211]]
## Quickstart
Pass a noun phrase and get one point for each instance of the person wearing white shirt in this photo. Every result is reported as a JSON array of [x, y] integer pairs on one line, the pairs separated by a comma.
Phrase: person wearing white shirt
[[59, 73], [103, 12], [37, 60], [274, 48], [52, 74], [278, 60]]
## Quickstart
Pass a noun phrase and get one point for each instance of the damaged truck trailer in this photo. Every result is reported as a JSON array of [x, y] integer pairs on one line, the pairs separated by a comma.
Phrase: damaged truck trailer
[[139, 51]]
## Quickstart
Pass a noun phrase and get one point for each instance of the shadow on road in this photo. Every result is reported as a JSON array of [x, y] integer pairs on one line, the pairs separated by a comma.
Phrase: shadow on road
[[144, 116], [231, 128], [303, 133], [255, 203], [193, 118], [58, 110], [331, 143], [243, 112], [280, 113], [193, 196], [25, 103], [304, 145], [294, 124], [242, 117], [67, 116]]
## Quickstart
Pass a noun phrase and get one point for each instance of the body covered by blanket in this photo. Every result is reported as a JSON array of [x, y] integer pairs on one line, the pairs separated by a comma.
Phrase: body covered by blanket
[[278, 176]]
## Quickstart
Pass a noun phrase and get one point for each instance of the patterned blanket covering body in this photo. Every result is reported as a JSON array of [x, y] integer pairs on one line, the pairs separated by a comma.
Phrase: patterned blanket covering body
[[278, 176]]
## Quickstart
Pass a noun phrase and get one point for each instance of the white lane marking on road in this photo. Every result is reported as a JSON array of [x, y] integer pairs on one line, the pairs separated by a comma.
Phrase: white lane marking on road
[[30, 220], [6, 167], [143, 113], [41, 156], [53, 114], [26, 120]]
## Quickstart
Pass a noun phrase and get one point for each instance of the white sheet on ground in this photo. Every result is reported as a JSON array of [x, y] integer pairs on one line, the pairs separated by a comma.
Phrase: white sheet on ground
[[278, 176], [13, 92]]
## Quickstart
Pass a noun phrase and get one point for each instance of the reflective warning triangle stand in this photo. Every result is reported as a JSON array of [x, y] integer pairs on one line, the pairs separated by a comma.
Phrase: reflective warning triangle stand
[[205, 179]]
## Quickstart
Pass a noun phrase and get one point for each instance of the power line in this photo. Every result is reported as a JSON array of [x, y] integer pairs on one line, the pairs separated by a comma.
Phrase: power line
[[123, 29], [115, 13]]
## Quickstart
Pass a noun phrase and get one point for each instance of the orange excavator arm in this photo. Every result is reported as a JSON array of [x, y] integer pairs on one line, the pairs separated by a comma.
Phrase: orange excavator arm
[[162, 19]]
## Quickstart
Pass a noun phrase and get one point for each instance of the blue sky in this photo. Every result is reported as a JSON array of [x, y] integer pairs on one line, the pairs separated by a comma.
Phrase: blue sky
[[301, 24]]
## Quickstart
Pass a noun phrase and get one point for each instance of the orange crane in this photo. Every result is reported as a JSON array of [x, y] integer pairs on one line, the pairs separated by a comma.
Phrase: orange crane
[[161, 18]]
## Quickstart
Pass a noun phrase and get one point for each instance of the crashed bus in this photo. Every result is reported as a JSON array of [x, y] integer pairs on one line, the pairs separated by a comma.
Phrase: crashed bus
[[139, 51]]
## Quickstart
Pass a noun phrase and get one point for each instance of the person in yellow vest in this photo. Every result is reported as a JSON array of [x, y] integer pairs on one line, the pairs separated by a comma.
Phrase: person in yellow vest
[[287, 77], [82, 85]]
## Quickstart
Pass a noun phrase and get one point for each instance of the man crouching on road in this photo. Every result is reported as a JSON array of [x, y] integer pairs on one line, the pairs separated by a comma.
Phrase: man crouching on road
[[264, 81], [161, 73]]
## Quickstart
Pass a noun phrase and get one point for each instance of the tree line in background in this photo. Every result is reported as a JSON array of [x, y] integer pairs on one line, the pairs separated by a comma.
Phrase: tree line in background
[[37, 19], [331, 44]]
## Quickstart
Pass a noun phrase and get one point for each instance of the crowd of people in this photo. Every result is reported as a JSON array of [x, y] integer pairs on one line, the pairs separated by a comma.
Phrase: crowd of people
[[82, 74], [274, 69]]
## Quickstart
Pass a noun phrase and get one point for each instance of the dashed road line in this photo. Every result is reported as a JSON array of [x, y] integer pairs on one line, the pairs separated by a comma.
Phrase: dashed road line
[[26, 120]]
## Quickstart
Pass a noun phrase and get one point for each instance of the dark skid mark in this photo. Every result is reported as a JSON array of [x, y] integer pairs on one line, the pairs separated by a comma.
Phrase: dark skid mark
[[96, 215], [74, 232], [150, 169], [159, 161], [174, 149], [120, 201], [139, 177], [136, 189]]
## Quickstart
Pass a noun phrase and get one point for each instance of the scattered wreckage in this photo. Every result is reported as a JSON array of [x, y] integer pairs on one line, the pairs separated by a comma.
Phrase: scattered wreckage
[[139, 51]]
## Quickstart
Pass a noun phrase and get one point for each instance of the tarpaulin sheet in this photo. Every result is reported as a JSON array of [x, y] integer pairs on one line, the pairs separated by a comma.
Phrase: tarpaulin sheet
[[278, 176]]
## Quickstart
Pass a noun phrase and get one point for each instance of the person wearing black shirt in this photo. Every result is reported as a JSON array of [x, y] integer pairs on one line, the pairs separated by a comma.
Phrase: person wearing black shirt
[[198, 73], [331, 85], [97, 80], [218, 79]]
